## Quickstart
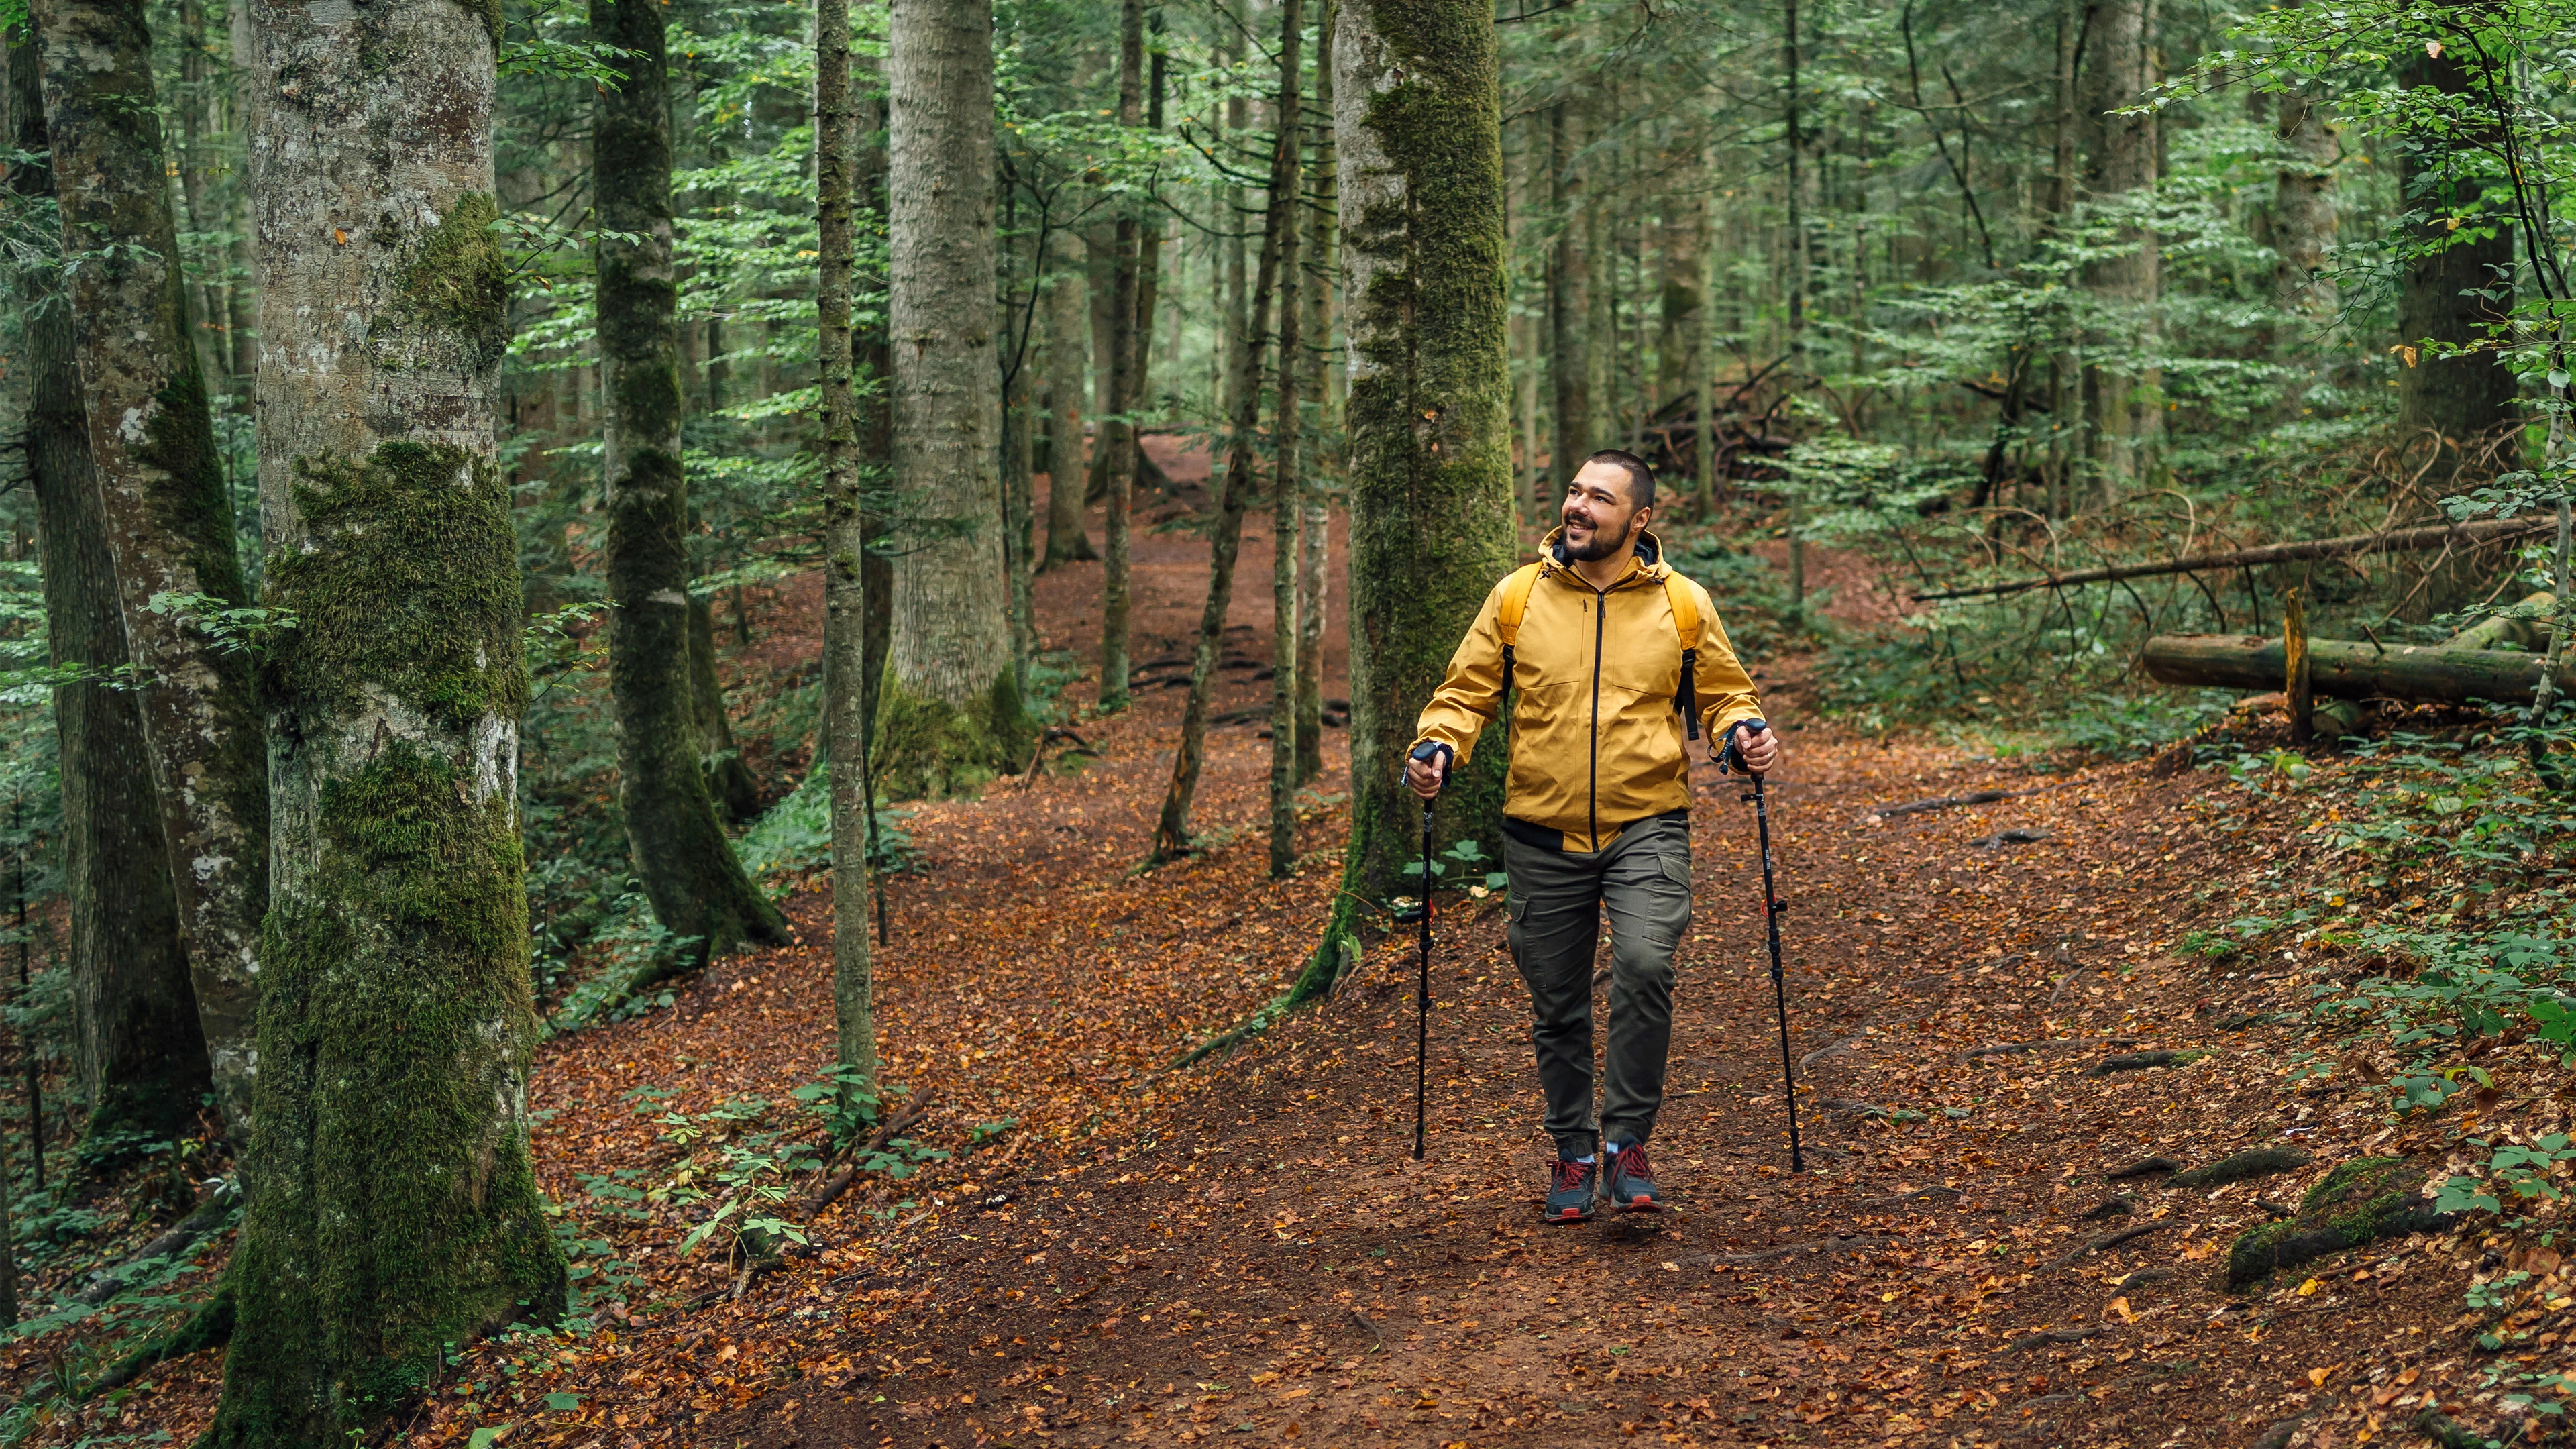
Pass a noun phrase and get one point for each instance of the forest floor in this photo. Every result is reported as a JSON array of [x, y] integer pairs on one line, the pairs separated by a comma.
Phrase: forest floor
[[1120, 1248]]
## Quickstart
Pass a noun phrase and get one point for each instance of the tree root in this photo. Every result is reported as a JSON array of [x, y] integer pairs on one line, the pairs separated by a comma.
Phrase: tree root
[[2110, 1241]]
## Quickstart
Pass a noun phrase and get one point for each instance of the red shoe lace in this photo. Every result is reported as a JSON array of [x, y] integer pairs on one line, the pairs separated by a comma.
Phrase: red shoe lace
[[1570, 1174], [1632, 1162]]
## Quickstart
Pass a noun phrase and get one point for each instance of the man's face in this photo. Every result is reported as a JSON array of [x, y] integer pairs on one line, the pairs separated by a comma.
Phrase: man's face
[[1599, 520]]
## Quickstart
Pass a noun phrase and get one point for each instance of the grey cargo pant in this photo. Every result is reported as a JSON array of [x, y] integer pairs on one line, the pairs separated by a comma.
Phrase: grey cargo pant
[[1555, 904]]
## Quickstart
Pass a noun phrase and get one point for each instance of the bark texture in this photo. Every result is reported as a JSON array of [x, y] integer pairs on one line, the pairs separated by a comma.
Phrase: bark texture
[[393, 1209], [673, 833], [836, 145], [1417, 119], [169, 521], [950, 668], [142, 1052]]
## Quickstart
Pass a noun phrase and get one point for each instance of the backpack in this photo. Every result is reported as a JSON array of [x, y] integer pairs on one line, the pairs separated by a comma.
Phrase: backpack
[[1677, 592]]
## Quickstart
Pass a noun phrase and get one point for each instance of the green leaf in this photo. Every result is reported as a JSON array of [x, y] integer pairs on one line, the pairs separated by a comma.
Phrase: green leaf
[[486, 1438], [563, 1403]]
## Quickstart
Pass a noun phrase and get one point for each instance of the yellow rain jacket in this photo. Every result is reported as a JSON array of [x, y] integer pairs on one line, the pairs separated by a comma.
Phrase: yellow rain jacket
[[1596, 738]]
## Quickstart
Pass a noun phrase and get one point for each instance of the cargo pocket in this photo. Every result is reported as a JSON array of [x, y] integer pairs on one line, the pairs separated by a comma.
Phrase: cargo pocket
[[1676, 866]]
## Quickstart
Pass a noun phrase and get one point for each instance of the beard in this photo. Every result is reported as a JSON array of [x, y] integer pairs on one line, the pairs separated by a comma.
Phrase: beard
[[1601, 545]]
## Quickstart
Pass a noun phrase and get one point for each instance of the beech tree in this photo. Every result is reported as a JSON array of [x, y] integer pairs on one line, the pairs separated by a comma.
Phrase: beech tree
[[142, 1051], [393, 1210], [950, 665], [169, 524]]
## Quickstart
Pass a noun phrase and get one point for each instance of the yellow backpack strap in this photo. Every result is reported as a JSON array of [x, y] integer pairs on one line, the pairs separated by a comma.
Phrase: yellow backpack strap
[[1677, 592], [1507, 621], [1515, 603]]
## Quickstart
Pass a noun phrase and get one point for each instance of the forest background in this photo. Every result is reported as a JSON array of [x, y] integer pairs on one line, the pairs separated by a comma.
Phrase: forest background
[[1975, 294]]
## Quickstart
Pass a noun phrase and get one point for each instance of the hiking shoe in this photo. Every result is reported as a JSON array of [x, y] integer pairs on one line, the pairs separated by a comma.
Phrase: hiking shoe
[[1571, 1188], [1632, 1180]]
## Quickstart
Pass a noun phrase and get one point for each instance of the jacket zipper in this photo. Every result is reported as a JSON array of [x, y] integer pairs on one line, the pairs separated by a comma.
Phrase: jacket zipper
[[1592, 781]]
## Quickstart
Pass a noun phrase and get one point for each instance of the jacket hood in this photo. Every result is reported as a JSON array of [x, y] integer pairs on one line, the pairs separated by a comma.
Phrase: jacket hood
[[1650, 550]]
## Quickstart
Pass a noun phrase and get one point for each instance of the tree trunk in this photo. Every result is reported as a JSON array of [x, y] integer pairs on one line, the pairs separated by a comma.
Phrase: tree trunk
[[730, 783], [1279, 239], [142, 1051], [1684, 245], [1066, 317], [2452, 290], [836, 146], [1314, 543], [1116, 442], [873, 359], [2124, 397], [677, 842], [951, 662], [393, 1209], [2303, 222], [1569, 292], [1019, 462], [1418, 120], [169, 518], [1287, 511]]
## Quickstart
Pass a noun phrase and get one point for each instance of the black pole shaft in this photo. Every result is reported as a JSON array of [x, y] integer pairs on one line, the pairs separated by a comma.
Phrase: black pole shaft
[[1422, 993], [1771, 908]]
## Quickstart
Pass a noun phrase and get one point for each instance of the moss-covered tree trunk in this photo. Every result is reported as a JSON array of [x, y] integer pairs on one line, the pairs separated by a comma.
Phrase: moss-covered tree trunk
[[169, 521], [836, 144], [1417, 117], [951, 655], [142, 1052], [1278, 249], [393, 1209], [729, 780], [673, 834]]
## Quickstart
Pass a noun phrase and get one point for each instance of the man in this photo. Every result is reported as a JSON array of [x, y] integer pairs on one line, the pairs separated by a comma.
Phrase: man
[[1604, 672]]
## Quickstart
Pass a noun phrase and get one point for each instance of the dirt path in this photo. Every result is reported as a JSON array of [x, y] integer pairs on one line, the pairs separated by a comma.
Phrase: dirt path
[[1266, 1261]]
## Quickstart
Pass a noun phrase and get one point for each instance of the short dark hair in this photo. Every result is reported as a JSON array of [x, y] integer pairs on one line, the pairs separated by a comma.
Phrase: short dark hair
[[1641, 479]]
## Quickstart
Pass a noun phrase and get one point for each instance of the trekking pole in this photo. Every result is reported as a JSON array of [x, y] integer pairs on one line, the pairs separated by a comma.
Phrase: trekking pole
[[1422, 983], [1772, 906]]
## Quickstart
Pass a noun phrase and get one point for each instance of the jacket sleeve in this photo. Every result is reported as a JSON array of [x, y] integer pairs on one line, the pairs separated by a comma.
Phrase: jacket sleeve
[[1723, 691], [1471, 691]]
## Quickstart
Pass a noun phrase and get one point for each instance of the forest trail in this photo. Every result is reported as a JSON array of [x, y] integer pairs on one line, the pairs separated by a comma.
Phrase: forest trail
[[1260, 1259]]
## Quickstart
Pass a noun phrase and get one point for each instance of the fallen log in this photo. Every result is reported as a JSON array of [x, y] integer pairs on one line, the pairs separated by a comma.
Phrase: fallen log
[[2345, 670], [2404, 540], [2523, 626]]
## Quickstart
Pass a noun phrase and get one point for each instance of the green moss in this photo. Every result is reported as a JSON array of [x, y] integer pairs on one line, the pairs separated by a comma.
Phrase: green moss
[[458, 280], [394, 1209], [408, 584], [2362, 1201], [489, 12], [927, 747]]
